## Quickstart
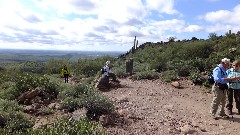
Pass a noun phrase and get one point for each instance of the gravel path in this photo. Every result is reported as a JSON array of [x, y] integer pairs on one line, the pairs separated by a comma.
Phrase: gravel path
[[156, 108]]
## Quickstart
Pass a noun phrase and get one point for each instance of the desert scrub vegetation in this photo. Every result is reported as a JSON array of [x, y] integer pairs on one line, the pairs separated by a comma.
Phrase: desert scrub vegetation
[[12, 118], [186, 56], [84, 95], [65, 126], [150, 75]]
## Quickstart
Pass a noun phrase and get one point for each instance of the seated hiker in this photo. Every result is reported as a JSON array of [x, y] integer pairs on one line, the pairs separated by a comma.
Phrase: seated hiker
[[106, 71], [65, 73]]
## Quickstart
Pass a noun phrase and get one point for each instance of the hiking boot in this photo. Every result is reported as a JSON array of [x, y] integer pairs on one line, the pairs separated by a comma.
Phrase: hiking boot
[[230, 112], [238, 113], [117, 81], [214, 117], [224, 116]]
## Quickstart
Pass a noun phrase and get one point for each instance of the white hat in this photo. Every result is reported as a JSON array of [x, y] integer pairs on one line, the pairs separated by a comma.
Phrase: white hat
[[226, 60], [108, 62]]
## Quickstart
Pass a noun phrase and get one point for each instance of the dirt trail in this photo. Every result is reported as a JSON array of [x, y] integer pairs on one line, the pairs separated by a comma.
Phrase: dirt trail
[[157, 108]]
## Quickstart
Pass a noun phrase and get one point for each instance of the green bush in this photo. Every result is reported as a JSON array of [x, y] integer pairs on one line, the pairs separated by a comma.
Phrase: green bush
[[169, 75], [54, 66], [71, 104], [30, 81], [33, 67], [195, 77], [69, 127], [98, 104], [150, 75], [9, 93], [12, 118], [120, 72], [18, 122], [7, 105]]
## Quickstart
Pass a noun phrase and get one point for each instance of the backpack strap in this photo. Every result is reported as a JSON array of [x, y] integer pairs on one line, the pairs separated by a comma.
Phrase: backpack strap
[[222, 72]]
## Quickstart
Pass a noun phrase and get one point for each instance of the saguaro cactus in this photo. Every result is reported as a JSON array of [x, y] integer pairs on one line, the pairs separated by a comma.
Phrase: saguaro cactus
[[135, 43]]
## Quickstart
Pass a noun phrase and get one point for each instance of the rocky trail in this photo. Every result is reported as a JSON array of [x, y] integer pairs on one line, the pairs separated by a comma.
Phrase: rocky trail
[[156, 108]]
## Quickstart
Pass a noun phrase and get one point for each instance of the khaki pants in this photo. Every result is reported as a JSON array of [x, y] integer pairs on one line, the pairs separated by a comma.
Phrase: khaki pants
[[219, 98]]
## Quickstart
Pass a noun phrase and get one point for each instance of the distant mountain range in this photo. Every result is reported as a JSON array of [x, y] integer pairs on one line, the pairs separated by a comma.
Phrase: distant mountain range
[[15, 55]]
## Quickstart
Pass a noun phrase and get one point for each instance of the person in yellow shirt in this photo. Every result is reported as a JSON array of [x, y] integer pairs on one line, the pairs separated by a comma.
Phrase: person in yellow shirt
[[65, 73]]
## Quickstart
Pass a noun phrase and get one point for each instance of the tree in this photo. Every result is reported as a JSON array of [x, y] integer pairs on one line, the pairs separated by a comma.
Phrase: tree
[[171, 39], [213, 36]]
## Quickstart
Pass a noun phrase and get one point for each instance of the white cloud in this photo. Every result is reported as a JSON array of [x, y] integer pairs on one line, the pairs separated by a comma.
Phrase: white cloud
[[224, 16], [193, 28], [162, 6], [112, 24]]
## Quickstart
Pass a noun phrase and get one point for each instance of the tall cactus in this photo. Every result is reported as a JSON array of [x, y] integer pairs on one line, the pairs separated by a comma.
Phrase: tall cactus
[[135, 44]]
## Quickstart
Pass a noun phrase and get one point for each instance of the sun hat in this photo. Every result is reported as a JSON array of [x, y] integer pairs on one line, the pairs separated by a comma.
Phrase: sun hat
[[108, 62], [225, 60]]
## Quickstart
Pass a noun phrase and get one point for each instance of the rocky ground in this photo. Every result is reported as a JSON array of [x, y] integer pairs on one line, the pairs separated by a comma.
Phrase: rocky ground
[[157, 108]]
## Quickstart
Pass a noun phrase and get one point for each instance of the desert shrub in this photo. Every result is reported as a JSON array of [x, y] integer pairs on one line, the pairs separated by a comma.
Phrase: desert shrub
[[30, 81], [183, 68], [87, 68], [7, 105], [150, 75], [18, 122], [8, 76], [120, 72], [169, 75], [97, 104], [33, 67], [195, 77], [71, 104], [191, 50], [70, 127], [54, 66], [12, 118], [83, 95], [140, 67], [45, 111], [9, 93], [75, 91], [158, 63]]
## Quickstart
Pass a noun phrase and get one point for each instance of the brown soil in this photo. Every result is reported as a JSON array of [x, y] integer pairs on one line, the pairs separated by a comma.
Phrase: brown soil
[[157, 108]]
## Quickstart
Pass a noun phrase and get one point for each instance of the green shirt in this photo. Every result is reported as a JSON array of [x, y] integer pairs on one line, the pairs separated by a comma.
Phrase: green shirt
[[235, 84]]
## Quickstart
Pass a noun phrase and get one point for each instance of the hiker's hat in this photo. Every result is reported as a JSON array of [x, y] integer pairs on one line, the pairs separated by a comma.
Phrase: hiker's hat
[[225, 60], [108, 62]]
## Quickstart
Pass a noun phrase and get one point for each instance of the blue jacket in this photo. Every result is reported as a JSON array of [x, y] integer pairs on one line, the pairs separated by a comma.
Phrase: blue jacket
[[219, 73], [235, 84]]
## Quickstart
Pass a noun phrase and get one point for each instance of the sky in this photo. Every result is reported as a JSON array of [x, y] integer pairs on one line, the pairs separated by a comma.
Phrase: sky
[[110, 25]]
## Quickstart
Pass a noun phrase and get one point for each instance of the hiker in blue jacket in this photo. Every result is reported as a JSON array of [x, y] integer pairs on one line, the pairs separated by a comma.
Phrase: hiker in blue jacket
[[233, 87], [219, 88]]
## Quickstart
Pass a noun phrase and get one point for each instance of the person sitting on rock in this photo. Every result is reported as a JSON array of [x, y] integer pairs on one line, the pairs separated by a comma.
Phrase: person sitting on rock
[[106, 71]]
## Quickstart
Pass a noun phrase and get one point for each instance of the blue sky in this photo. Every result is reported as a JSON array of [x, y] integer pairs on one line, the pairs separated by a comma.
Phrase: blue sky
[[110, 25]]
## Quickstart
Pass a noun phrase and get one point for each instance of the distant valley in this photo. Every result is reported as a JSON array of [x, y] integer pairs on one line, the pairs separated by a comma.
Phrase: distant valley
[[10, 55]]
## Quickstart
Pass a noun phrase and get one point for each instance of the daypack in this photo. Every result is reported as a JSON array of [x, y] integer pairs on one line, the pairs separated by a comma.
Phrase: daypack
[[102, 70], [211, 79]]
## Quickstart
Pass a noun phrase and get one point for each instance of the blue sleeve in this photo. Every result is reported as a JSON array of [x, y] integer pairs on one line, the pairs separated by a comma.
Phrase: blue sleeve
[[217, 75]]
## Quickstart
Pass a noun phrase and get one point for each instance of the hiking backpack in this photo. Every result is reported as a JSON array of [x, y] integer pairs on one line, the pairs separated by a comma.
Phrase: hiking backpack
[[211, 79]]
